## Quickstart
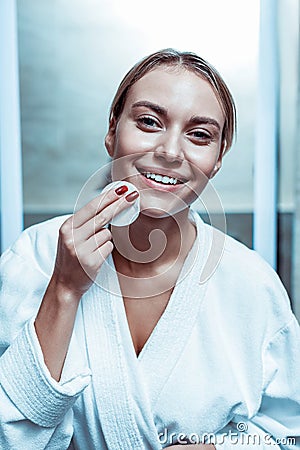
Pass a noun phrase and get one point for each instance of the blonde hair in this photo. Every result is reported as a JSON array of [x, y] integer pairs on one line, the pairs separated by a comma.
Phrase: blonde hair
[[189, 61]]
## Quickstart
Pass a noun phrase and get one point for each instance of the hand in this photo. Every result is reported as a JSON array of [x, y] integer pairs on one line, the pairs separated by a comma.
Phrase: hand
[[84, 243]]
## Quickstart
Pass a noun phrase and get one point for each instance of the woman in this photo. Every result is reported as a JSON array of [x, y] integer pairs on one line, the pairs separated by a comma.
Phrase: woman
[[110, 341]]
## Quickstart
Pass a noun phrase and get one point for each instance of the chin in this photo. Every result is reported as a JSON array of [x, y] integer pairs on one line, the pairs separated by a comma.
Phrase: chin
[[156, 213], [161, 210]]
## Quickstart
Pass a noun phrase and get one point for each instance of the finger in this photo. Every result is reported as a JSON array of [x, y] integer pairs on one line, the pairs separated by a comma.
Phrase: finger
[[105, 216], [104, 251], [97, 204], [97, 258], [92, 262], [94, 242]]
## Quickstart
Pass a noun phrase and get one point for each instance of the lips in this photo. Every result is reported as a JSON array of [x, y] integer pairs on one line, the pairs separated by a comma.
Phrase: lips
[[162, 176]]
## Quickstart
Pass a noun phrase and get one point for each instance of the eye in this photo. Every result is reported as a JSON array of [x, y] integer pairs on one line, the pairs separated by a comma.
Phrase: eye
[[148, 122], [200, 136]]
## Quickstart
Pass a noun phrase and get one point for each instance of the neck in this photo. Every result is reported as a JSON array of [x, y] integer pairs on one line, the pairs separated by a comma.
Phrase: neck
[[150, 244]]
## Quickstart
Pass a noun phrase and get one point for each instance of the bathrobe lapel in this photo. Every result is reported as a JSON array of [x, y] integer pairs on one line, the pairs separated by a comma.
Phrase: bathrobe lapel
[[122, 406], [126, 387], [169, 338], [110, 377]]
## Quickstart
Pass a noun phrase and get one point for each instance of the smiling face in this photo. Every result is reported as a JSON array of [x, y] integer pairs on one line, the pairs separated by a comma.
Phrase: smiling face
[[168, 139]]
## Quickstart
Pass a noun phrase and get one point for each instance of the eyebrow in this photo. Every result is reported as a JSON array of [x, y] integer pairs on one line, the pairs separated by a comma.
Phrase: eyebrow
[[156, 108], [195, 120]]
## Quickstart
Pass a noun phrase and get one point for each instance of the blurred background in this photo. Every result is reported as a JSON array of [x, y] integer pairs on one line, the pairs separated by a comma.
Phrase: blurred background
[[70, 58]]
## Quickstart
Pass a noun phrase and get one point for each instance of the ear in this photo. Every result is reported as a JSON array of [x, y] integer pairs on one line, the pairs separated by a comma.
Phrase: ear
[[218, 164], [110, 137]]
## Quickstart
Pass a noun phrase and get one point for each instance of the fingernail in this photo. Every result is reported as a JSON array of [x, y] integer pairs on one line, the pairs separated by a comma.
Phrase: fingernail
[[132, 196], [121, 190]]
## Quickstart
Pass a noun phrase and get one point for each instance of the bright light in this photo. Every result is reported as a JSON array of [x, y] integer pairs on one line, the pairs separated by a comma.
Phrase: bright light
[[226, 32]]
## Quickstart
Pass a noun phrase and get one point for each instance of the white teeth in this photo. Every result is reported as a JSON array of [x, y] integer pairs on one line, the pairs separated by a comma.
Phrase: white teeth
[[161, 179]]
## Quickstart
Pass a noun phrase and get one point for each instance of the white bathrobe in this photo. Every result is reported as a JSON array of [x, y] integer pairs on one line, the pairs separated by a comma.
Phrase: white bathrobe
[[224, 358]]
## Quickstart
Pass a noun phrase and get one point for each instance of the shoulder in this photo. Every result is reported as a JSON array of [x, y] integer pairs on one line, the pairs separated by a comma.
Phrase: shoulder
[[235, 259], [37, 244], [250, 287], [249, 265], [26, 268], [48, 229]]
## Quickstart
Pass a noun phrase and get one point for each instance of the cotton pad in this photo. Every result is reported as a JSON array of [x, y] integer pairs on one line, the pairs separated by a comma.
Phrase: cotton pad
[[130, 214]]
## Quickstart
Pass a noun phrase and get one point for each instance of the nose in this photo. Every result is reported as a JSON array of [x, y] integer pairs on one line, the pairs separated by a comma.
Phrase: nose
[[169, 147]]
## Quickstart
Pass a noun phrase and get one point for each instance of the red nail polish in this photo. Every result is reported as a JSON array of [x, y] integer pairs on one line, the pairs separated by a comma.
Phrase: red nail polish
[[121, 190], [132, 196]]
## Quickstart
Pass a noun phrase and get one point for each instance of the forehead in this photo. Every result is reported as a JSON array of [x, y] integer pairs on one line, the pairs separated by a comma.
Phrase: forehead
[[176, 88]]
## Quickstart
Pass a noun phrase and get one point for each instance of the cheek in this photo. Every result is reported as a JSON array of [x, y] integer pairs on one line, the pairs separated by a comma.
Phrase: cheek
[[131, 140], [203, 162]]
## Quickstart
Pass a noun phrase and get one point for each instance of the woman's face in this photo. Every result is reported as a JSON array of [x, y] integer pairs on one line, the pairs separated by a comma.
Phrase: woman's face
[[168, 140]]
